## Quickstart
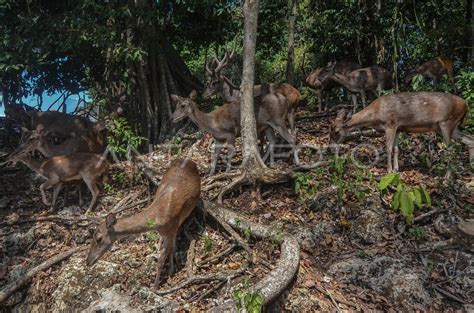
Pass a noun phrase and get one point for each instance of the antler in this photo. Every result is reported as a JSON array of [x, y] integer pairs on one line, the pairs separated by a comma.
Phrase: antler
[[224, 62]]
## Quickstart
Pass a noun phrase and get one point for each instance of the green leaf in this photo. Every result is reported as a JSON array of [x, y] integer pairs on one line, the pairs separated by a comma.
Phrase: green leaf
[[426, 196], [387, 180], [396, 201], [406, 207], [417, 197]]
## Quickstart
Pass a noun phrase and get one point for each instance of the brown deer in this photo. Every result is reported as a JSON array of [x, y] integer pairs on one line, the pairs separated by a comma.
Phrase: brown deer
[[219, 84], [175, 199], [320, 86], [224, 122], [63, 134], [412, 112], [57, 170], [360, 81], [433, 69]]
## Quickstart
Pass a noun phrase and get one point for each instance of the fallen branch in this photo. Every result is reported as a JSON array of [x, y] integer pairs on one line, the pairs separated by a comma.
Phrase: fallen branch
[[285, 270], [13, 287], [202, 279], [54, 218], [427, 214]]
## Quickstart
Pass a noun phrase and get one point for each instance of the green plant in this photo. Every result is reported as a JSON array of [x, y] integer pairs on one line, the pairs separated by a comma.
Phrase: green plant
[[207, 242], [252, 301], [119, 177], [418, 233], [176, 147], [308, 95], [305, 186], [121, 137], [465, 86], [360, 190], [152, 235], [247, 233], [107, 188], [405, 198]]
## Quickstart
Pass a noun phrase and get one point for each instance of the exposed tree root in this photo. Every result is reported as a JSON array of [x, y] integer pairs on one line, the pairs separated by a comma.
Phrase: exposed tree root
[[285, 270], [253, 176], [13, 287]]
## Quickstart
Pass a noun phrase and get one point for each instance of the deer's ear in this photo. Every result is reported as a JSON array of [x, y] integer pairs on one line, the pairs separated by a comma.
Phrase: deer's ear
[[193, 94], [175, 98], [110, 220], [40, 128]]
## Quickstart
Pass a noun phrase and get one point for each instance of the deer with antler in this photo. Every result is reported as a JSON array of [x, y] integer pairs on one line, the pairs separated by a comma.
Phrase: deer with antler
[[220, 84]]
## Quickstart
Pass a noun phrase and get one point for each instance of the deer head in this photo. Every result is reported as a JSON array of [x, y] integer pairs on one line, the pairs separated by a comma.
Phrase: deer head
[[102, 239], [337, 129], [184, 106], [30, 140], [216, 79]]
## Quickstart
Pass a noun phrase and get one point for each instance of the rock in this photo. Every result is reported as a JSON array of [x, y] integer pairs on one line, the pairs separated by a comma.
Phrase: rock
[[112, 300], [79, 285], [80, 235], [370, 223], [17, 242], [388, 276]]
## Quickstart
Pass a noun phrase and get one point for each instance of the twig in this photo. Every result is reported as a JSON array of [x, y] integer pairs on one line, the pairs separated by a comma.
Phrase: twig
[[54, 218], [217, 256], [200, 279], [448, 294], [428, 214], [13, 287], [234, 235], [338, 309], [190, 258]]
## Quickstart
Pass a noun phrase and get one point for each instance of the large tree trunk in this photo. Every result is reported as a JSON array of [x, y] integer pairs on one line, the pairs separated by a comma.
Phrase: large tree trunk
[[293, 5], [470, 32], [250, 151]]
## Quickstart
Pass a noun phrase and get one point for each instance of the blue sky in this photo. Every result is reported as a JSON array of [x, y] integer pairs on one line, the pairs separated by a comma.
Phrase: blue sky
[[71, 102]]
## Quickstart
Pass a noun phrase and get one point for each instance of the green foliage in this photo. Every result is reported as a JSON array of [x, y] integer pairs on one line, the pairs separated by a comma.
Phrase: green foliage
[[309, 97], [465, 86], [252, 301], [121, 137], [418, 233], [207, 242], [305, 186], [405, 198]]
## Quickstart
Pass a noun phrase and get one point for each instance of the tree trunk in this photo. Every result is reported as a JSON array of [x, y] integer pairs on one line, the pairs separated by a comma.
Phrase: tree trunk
[[469, 32], [293, 5], [251, 155]]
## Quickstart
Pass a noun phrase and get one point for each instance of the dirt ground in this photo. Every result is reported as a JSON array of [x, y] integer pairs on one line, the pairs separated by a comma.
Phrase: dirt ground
[[357, 253]]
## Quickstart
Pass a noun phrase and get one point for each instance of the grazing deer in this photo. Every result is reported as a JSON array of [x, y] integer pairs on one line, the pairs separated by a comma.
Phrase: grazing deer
[[433, 69], [220, 84], [412, 112], [360, 81], [314, 81], [57, 170], [224, 122], [175, 199]]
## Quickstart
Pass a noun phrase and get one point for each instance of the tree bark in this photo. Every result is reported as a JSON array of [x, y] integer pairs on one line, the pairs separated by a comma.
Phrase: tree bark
[[251, 155], [293, 5]]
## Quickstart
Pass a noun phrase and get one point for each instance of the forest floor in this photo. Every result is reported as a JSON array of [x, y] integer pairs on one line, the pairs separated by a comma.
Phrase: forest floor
[[357, 253]]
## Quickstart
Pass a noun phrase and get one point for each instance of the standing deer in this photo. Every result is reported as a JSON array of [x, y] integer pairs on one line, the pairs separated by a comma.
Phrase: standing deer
[[360, 81], [314, 81], [412, 112], [224, 122], [220, 84], [174, 200], [433, 69], [57, 170]]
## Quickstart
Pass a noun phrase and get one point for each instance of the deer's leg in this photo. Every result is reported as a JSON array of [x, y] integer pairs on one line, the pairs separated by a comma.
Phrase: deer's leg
[[230, 152], [291, 119], [395, 153], [354, 102], [283, 131], [79, 193], [390, 134], [218, 144], [362, 95], [166, 249], [320, 100], [271, 145], [56, 190], [50, 182], [90, 182]]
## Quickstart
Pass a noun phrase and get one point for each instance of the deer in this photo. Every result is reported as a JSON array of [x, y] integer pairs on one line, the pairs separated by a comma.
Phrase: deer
[[174, 200], [433, 69], [411, 112], [224, 122], [57, 170], [219, 84], [63, 133], [359, 81], [314, 81]]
